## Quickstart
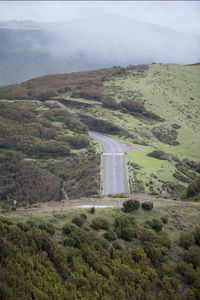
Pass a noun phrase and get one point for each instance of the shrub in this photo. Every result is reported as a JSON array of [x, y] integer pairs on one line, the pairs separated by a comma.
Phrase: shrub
[[147, 205], [158, 154], [164, 219], [116, 245], [110, 102], [48, 227], [78, 142], [132, 105], [193, 256], [125, 227], [193, 189], [110, 235], [156, 246], [92, 210], [196, 233], [131, 205], [68, 228], [155, 224], [78, 220], [187, 271], [186, 240], [100, 223]]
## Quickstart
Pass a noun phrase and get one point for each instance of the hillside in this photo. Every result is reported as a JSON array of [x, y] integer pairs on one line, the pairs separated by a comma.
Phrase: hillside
[[29, 49], [109, 254], [44, 150], [154, 107]]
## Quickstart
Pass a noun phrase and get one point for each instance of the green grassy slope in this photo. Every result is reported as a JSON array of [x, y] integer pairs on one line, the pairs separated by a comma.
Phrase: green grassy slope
[[168, 121], [172, 92]]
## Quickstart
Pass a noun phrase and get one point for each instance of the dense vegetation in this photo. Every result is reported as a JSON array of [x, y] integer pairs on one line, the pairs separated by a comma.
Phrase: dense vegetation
[[84, 258], [40, 145], [155, 106]]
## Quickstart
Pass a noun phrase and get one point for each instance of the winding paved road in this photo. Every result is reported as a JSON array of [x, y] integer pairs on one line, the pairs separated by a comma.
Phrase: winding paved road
[[114, 166]]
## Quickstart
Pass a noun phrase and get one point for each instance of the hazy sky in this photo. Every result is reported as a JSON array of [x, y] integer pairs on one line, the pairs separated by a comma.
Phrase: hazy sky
[[180, 15]]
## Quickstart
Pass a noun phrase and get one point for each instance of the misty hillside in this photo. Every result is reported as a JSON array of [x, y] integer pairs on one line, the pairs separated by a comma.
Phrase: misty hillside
[[29, 49]]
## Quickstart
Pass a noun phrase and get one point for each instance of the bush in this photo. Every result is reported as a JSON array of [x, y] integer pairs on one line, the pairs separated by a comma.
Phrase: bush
[[116, 245], [147, 205], [186, 240], [78, 142], [92, 210], [110, 235], [100, 223], [196, 233], [158, 154], [131, 205], [164, 219], [155, 224], [193, 256], [48, 227], [133, 106], [68, 228], [110, 102], [78, 220], [125, 227], [193, 189]]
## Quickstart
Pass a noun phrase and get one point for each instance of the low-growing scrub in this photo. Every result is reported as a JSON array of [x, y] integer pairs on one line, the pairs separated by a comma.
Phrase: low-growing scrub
[[147, 205], [131, 205], [155, 224], [100, 223], [125, 227]]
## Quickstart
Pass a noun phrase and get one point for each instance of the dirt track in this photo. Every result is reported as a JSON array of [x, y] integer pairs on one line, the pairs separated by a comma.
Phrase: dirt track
[[85, 202]]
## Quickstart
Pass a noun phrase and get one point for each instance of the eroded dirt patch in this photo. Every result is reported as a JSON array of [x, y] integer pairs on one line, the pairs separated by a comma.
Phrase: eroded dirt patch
[[130, 148]]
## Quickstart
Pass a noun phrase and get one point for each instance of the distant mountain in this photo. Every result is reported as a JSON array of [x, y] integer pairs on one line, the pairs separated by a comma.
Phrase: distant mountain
[[29, 49]]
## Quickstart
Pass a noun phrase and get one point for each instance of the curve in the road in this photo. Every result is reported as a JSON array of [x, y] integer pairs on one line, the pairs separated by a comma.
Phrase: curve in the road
[[114, 165]]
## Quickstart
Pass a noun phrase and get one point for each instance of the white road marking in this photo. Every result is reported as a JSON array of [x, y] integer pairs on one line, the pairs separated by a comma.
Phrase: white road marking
[[114, 170], [113, 154]]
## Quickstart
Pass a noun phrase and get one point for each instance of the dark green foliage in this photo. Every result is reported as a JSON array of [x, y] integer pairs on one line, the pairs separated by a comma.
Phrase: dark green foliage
[[156, 246], [100, 124], [196, 233], [192, 255], [187, 271], [34, 266], [78, 142], [155, 224], [164, 219], [48, 227], [41, 160], [100, 223], [186, 240], [125, 227], [24, 181], [92, 210], [147, 205], [131, 205], [79, 220], [158, 154], [68, 228], [110, 235], [193, 190]]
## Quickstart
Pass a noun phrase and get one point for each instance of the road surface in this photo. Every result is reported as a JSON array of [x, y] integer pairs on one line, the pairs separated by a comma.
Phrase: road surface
[[114, 166]]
